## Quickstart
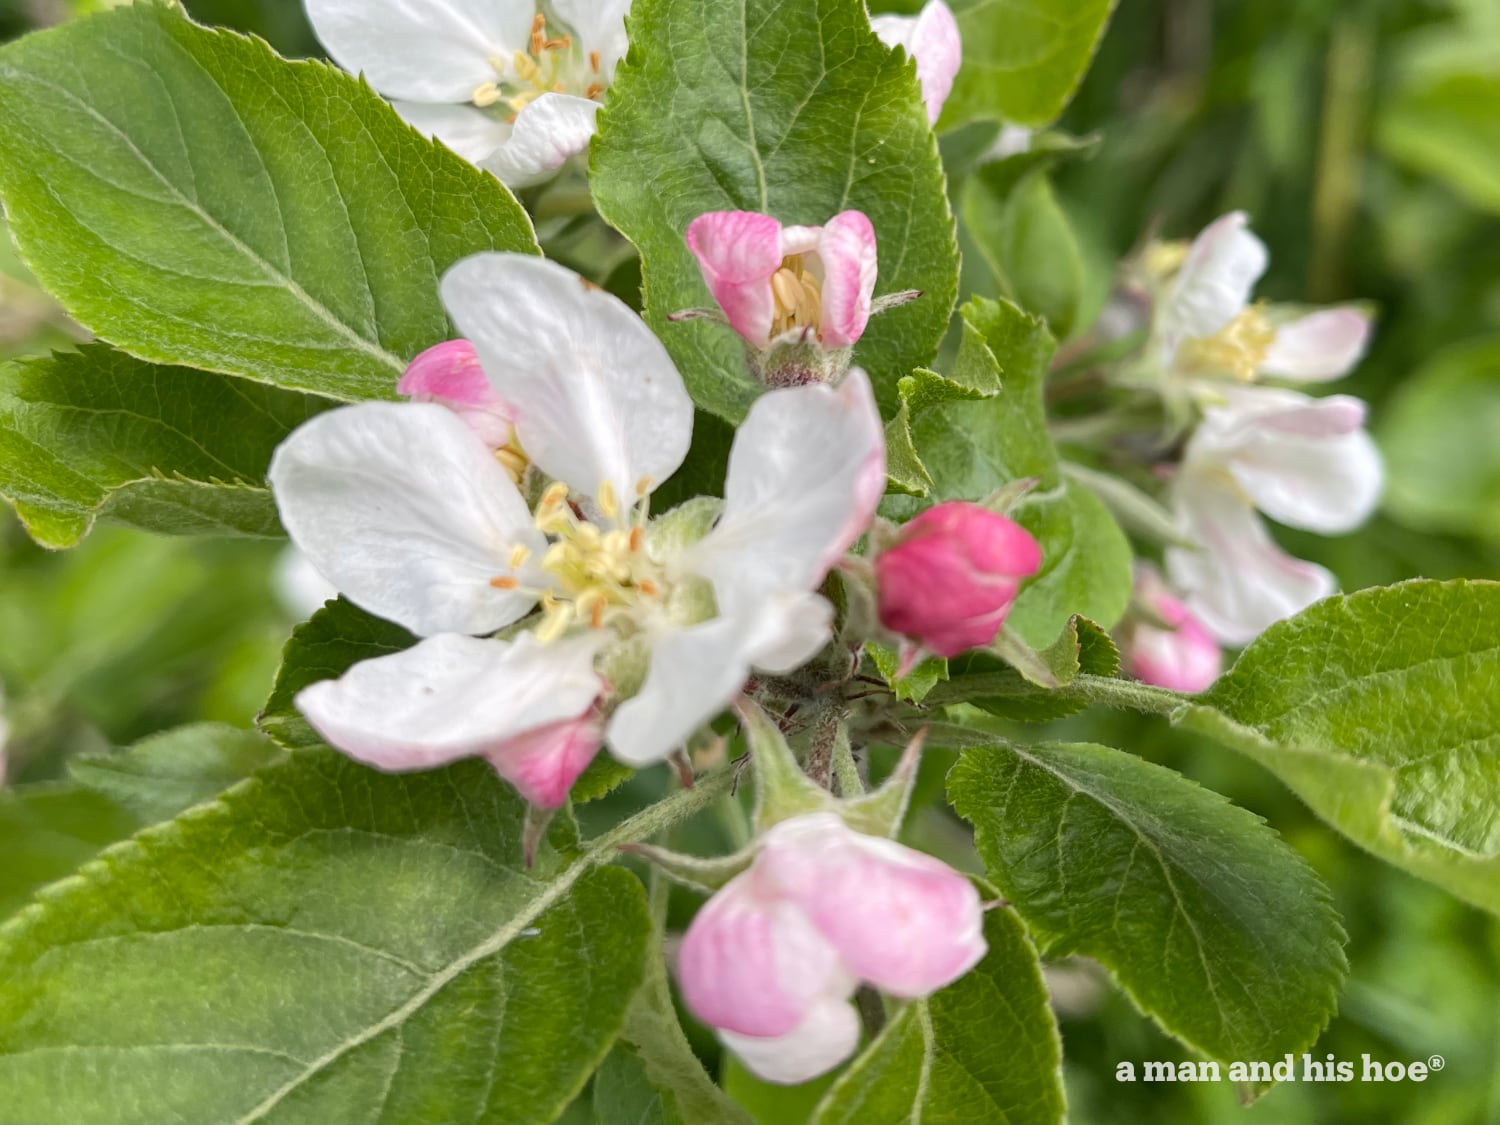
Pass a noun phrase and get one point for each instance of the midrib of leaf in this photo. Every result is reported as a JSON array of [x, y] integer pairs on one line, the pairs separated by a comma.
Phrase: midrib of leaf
[[272, 272], [603, 849]]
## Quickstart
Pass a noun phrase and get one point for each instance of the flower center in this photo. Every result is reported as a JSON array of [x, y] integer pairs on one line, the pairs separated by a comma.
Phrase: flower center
[[551, 64], [1240, 347], [798, 297], [598, 577]]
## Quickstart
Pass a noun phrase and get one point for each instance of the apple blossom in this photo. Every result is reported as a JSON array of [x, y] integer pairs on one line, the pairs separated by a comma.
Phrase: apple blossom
[[773, 958], [949, 579], [800, 297], [1305, 462], [931, 37], [450, 374], [1209, 328], [512, 85], [1177, 653], [624, 629]]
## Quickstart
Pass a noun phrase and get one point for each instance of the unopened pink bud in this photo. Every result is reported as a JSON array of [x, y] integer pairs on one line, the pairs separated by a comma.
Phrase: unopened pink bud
[[544, 763], [952, 575], [450, 374], [1184, 657]]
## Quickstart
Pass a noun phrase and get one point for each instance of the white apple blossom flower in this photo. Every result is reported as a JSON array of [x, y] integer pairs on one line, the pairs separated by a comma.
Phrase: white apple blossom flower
[[1305, 462], [512, 85], [655, 624], [1208, 327], [931, 37]]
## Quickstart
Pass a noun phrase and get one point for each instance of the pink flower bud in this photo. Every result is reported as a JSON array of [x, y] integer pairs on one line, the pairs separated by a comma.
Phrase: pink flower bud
[[544, 763], [952, 575], [1182, 658], [450, 374], [773, 281], [772, 960]]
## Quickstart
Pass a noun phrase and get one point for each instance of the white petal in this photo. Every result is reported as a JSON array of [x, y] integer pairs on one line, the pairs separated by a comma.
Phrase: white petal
[[698, 671], [599, 25], [805, 475], [827, 1037], [597, 398], [1318, 347], [1215, 281], [403, 509], [451, 697], [546, 133], [468, 131], [422, 50], [1305, 462], [1241, 582]]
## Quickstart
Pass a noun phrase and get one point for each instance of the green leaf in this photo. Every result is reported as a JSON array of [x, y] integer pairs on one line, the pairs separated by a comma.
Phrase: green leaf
[[338, 945], [95, 434], [160, 776], [49, 830], [1023, 59], [794, 110], [983, 1049], [972, 448], [1438, 442], [193, 199], [915, 685], [1450, 128], [1029, 245], [1381, 710], [1213, 926], [324, 647]]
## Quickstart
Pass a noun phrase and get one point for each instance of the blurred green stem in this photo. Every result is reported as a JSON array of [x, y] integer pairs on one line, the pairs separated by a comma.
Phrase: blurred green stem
[[1336, 192]]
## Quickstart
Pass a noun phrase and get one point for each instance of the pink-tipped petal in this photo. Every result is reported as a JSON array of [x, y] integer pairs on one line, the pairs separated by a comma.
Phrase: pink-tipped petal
[[546, 133], [932, 38], [902, 921], [827, 1037], [847, 250], [754, 964], [952, 575], [450, 374], [1183, 657], [544, 763], [738, 252], [1318, 347]]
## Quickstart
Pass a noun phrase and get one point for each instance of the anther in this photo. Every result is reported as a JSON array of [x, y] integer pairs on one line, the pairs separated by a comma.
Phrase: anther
[[505, 582], [518, 556], [486, 95], [637, 538], [609, 503], [648, 587], [593, 91], [596, 64], [538, 33]]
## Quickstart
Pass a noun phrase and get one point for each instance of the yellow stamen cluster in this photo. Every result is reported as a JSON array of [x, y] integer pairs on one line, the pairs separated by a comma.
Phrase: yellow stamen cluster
[[1239, 348], [1163, 259], [513, 459], [549, 65], [798, 297], [596, 572]]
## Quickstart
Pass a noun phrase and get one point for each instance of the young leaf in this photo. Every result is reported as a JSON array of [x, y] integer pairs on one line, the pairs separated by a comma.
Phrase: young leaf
[[1213, 926], [1023, 59], [983, 1049], [1028, 243], [794, 110], [972, 448], [194, 199], [336, 945], [1380, 710], [96, 434]]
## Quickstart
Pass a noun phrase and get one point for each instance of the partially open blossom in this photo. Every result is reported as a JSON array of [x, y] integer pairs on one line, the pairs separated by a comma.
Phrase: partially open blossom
[[951, 576], [1304, 462], [1210, 329], [772, 960], [931, 37], [1179, 653], [772, 281], [512, 85], [627, 628]]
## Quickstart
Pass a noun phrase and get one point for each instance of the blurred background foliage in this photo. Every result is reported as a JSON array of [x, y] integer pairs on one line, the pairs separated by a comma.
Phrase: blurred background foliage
[[1363, 136]]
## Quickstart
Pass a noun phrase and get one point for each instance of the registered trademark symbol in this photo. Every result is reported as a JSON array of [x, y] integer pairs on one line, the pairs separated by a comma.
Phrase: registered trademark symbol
[[1436, 1062]]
